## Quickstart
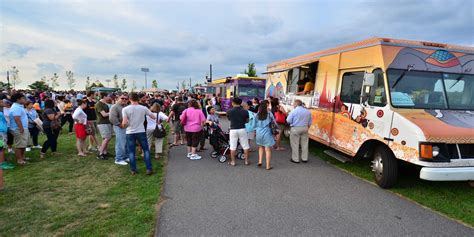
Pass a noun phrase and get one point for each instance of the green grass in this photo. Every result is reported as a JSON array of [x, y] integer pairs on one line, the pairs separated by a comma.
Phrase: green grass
[[79, 196], [453, 199]]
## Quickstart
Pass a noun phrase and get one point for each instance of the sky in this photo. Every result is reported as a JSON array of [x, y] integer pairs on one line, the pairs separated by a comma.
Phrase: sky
[[177, 40]]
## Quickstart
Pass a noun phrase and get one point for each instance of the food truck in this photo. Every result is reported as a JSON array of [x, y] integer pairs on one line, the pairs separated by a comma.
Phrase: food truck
[[241, 86], [389, 100]]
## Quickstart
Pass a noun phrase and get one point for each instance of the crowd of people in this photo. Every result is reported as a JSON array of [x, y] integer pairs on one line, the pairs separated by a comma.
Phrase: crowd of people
[[137, 120]]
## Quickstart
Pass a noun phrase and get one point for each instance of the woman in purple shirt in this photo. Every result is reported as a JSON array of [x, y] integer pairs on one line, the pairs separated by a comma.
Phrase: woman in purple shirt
[[193, 120]]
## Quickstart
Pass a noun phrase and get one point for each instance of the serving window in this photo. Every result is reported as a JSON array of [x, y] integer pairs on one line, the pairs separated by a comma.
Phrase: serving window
[[301, 80]]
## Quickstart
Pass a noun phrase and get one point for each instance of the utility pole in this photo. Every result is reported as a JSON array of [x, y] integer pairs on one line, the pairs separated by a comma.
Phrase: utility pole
[[209, 78], [145, 70]]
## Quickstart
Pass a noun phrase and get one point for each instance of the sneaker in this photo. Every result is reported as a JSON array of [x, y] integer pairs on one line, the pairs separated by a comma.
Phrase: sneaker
[[189, 155], [10, 150], [37, 147], [121, 162], [102, 157], [127, 160], [195, 157], [28, 149]]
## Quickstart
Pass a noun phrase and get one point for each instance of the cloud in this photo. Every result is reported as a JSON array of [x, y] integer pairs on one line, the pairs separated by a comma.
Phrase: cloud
[[13, 50], [49, 68], [100, 38]]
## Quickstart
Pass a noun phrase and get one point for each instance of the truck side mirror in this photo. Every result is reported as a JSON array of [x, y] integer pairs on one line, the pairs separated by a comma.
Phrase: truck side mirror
[[369, 79]]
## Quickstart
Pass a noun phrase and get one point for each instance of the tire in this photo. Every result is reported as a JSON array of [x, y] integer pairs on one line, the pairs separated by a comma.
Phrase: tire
[[222, 158], [241, 156], [214, 154], [385, 167]]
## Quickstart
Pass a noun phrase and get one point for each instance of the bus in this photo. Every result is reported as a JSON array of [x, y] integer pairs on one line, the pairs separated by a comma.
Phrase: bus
[[389, 100], [241, 86]]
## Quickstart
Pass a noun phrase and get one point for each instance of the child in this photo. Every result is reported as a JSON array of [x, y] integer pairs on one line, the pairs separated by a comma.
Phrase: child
[[3, 138], [212, 118], [80, 122]]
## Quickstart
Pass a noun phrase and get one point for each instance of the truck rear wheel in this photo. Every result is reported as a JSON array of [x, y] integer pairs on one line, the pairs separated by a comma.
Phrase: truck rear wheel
[[385, 167]]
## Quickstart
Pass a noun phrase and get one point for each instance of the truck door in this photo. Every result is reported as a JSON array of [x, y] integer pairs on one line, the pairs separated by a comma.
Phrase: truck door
[[379, 114], [348, 112]]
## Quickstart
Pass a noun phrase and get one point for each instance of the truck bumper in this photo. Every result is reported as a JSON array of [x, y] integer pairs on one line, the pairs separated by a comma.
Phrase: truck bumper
[[447, 174]]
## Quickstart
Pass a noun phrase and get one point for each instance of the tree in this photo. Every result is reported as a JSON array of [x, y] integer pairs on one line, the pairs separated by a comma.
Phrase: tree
[[4, 86], [154, 84], [116, 82], [251, 71], [124, 84], [54, 81], [15, 78], [39, 85], [44, 79], [71, 82], [97, 83], [88, 83]]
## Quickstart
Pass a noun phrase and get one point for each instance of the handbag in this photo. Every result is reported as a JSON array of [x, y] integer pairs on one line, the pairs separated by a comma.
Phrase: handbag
[[274, 127], [55, 124], [89, 130], [280, 117], [160, 131]]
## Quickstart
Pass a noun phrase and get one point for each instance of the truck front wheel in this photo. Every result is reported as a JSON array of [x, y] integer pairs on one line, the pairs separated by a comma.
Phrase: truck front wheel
[[385, 167]]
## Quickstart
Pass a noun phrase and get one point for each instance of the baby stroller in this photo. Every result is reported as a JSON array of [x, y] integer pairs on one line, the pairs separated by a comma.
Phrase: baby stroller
[[219, 141]]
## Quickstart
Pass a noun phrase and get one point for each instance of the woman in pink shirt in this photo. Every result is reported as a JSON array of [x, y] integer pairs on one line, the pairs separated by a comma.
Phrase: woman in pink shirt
[[193, 120]]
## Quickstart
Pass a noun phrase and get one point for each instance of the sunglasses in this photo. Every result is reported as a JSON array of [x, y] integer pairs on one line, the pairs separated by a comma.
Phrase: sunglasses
[[124, 98]]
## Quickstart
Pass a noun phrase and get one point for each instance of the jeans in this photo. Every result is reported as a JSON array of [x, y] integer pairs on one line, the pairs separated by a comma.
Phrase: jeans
[[34, 132], [131, 141], [120, 144], [52, 140]]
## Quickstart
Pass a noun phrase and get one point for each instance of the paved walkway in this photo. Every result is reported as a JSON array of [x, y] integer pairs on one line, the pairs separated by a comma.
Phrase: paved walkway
[[207, 198]]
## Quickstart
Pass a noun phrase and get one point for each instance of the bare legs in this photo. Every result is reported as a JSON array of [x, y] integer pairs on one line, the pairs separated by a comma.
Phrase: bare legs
[[103, 146], [268, 156], [80, 146]]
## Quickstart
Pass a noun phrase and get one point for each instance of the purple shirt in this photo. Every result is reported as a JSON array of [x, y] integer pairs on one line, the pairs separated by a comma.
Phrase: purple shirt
[[194, 119]]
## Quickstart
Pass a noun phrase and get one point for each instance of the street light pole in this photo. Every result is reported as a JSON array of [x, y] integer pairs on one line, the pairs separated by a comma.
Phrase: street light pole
[[145, 70]]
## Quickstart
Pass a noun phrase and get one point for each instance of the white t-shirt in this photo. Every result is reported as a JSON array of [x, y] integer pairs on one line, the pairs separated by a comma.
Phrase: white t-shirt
[[136, 117], [80, 116], [151, 123]]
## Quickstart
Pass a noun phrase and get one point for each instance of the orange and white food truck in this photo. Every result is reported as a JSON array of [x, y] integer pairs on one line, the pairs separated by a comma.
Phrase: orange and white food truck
[[388, 99]]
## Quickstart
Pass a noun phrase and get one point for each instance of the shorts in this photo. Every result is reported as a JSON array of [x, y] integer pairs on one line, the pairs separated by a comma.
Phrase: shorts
[[80, 131], [20, 140], [281, 126], [251, 135], [93, 126], [178, 128], [105, 130], [238, 135], [193, 138]]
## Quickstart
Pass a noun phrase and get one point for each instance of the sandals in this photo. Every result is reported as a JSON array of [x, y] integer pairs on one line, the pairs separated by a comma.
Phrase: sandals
[[269, 168], [22, 162], [259, 165]]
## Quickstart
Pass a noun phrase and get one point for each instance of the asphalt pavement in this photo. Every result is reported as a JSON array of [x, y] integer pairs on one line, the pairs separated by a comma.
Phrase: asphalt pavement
[[207, 198]]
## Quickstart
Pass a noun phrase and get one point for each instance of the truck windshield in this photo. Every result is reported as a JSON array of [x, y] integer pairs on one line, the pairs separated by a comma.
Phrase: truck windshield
[[431, 90], [248, 91]]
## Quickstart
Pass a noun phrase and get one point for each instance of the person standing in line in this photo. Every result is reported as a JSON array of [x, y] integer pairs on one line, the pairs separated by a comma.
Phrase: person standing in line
[[32, 127], [104, 125], [299, 120], [151, 126], [3, 142], [176, 111], [280, 118], [238, 118], [264, 137], [193, 120], [67, 115], [80, 120], [91, 121], [133, 118], [249, 126], [18, 124], [51, 127], [116, 119]]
